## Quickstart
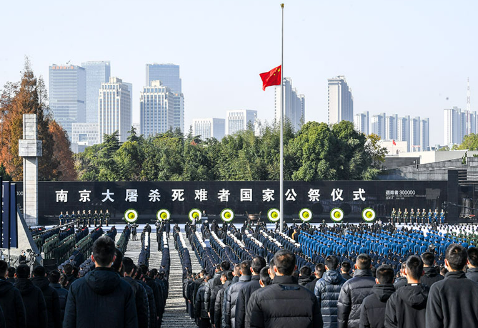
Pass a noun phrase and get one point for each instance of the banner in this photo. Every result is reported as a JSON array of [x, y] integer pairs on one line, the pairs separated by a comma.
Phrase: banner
[[13, 231], [5, 213]]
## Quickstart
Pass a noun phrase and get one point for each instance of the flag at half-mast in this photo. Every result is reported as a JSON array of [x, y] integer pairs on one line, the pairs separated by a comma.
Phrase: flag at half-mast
[[273, 77]]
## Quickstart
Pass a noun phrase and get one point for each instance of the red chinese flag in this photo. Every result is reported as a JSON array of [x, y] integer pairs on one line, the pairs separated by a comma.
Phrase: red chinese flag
[[394, 143], [273, 77]]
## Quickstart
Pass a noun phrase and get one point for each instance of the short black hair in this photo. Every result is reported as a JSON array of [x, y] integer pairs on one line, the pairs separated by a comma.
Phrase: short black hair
[[246, 268], [428, 258], [68, 268], [364, 261], [472, 256], [456, 256], [39, 271], [385, 274], [3, 268], [257, 264], [118, 260], [54, 277], [225, 265], [346, 266], [11, 272], [305, 271], [229, 275], [23, 271], [414, 267], [104, 250], [284, 261], [128, 265], [331, 262], [144, 269], [264, 276]]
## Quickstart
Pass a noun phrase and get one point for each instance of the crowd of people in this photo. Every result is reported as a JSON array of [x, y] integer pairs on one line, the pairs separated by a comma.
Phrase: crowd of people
[[346, 276], [335, 276]]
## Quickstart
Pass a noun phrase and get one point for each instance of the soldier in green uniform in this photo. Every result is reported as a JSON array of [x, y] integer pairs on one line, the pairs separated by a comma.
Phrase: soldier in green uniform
[[405, 216], [90, 218], [399, 216], [61, 218], [412, 215], [95, 218], [107, 217], [394, 214], [101, 216], [83, 218]]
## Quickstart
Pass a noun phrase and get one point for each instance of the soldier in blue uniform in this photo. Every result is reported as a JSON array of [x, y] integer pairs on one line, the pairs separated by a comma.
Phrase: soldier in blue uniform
[[89, 218], [442, 216], [83, 219], [424, 213], [405, 216], [73, 217], [429, 216], [61, 218], [435, 216], [418, 215], [67, 218], [95, 218]]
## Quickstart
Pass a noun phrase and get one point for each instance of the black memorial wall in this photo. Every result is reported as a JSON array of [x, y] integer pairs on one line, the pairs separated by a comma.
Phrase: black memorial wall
[[241, 196]]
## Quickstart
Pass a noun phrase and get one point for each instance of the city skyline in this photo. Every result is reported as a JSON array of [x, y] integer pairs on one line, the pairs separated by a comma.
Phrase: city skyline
[[396, 67]]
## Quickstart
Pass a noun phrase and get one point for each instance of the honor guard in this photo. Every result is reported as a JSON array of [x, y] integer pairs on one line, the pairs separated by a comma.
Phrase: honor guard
[[95, 218], [424, 214], [78, 219], [399, 216], [405, 216], [73, 217], [417, 216], [107, 217], [67, 218], [89, 218], [442, 216], [429, 216], [412, 215], [61, 218], [101, 216], [394, 214], [435, 216], [83, 218]]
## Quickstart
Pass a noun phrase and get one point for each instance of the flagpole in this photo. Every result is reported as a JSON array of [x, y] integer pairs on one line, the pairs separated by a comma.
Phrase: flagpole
[[281, 206]]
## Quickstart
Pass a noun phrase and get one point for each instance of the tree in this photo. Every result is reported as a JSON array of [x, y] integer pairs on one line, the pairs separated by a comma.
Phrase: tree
[[29, 96], [62, 153], [470, 142]]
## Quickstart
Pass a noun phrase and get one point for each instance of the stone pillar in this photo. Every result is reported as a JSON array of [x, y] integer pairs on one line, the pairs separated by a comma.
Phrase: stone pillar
[[30, 149]]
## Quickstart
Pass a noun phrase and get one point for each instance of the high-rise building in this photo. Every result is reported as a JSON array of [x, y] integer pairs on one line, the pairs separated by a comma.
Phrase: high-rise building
[[294, 106], [340, 100], [361, 122], [240, 120], [84, 135], [97, 72], [415, 142], [425, 134], [114, 109], [455, 122], [403, 130], [209, 128], [68, 95], [169, 76], [156, 109], [391, 127], [378, 125]]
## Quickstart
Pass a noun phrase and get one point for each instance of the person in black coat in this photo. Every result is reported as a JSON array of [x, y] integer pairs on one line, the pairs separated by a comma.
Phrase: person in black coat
[[319, 272], [138, 277], [327, 291], [11, 301], [226, 280], [345, 270], [69, 277], [353, 293], [140, 295], [35, 306], [101, 298], [245, 292], [402, 280], [201, 306], [472, 271], [230, 296], [51, 297], [372, 311], [432, 274], [452, 301], [54, 278], [305, 276], [158, 299], [407, 306], [284, 303]]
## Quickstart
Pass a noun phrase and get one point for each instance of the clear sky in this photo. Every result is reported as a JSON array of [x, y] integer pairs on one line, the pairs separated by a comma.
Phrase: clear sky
[[404, 57]]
